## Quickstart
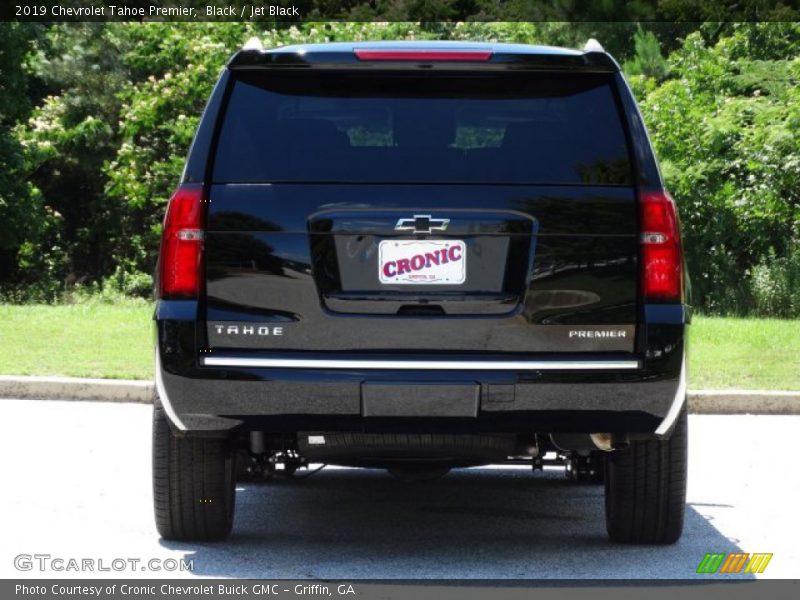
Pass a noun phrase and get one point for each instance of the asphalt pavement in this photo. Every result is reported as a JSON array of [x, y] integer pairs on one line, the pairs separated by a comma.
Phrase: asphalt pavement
[[77, 485]]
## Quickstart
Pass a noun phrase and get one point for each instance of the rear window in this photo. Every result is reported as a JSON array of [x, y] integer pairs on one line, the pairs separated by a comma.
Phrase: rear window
[[332, 127]]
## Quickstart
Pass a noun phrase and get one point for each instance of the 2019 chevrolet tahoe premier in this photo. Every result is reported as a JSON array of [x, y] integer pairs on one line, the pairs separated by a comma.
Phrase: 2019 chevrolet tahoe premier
[[418, 256]]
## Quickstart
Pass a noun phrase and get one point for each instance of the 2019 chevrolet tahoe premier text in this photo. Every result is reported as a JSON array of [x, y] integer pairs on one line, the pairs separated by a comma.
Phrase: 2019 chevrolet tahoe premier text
[[418, 256]]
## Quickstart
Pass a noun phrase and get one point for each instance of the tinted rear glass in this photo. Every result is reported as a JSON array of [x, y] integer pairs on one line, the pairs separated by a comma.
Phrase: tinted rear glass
[[334, 127]]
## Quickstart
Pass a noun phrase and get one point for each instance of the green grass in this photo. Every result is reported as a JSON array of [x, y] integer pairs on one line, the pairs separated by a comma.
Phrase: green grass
[[114, 341], [744, 353], [80, 340]]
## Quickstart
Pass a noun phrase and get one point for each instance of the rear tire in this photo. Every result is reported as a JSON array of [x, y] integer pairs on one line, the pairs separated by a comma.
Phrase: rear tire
[[646, 489], [194, 488]]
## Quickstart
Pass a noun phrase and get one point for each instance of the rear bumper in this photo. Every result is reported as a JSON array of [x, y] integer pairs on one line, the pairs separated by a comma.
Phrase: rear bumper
[[212, 393], [213, 398]]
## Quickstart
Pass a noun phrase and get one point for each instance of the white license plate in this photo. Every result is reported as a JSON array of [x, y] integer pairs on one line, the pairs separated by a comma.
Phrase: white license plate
[[422, 262]]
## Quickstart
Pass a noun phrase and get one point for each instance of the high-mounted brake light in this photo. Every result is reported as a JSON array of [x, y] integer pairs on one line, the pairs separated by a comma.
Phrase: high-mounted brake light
[[662, 262], [182, 244], [424, 55]]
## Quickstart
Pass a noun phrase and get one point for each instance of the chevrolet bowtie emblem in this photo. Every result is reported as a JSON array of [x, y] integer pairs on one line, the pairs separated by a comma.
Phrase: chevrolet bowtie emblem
[[422, 224]]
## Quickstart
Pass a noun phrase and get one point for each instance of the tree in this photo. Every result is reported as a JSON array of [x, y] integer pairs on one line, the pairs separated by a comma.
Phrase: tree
[[23, 220], [726, 126], [647, 59], [69, 137]]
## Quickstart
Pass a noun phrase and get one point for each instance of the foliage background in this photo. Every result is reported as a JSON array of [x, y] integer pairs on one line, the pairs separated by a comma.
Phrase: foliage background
[[96, 119]]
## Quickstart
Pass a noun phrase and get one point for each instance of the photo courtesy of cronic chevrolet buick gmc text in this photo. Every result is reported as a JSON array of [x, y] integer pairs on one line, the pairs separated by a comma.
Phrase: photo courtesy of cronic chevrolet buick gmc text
[[418, 256]]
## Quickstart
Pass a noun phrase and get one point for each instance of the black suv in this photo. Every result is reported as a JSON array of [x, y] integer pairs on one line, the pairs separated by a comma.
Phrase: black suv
[[418, 256]]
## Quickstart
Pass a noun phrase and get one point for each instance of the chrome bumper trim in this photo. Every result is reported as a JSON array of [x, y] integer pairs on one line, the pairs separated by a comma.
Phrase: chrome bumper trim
[[421, 365]]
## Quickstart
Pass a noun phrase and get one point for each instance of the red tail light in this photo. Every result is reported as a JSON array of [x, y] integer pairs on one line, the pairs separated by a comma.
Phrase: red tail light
[[424, 55], [182, 244], [662, 264]]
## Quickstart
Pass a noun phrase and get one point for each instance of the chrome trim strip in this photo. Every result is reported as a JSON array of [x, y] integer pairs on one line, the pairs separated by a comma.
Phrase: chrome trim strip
[[677, 402], [422, 365], [162, 395]]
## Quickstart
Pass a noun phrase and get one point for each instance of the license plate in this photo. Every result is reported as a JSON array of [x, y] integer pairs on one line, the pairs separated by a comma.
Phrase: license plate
[[422, 262]]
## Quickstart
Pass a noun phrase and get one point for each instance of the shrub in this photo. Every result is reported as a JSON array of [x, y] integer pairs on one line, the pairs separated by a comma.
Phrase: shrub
[[726, 127], [776, 285]]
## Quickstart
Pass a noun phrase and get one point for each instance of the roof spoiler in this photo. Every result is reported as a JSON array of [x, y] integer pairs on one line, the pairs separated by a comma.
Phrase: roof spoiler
[[254, 43], [405, 55], [592, 45]]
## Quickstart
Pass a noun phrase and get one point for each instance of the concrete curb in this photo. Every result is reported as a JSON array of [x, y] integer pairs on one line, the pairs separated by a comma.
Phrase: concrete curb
[[74, 388], [736, 402], [711, 402]]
